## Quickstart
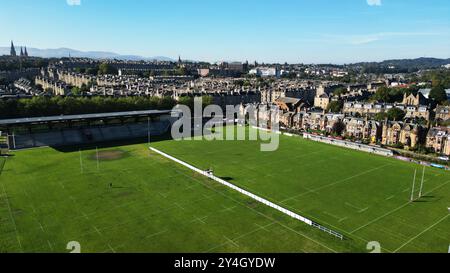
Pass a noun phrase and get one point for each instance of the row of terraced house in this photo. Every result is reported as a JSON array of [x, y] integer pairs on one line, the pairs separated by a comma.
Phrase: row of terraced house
[[295, 114]]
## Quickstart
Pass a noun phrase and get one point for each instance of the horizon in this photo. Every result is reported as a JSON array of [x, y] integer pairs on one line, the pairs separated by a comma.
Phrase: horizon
[[174, 59], [295, 32]]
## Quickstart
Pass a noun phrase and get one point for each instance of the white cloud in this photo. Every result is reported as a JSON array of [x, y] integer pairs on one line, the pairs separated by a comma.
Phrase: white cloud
[[73, 2], [374, 2]]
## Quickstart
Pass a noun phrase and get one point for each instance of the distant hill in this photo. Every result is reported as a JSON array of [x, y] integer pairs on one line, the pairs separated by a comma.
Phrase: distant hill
[[402, 65], [65, 52]]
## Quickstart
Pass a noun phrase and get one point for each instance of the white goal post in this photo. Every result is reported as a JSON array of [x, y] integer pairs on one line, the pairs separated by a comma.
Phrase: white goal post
[[249, 194]]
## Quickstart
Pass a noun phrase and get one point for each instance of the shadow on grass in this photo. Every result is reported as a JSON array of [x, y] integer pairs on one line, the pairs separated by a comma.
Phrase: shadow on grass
[[111, 144], [226, 178]]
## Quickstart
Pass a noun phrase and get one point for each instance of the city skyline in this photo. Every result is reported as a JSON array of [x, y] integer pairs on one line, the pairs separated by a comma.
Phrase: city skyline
[[299, 31]]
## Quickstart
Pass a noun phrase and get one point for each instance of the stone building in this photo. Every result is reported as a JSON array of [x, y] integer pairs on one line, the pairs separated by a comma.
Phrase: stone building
[[442, 113], [416, 100], [321, 101], [397, 132], [438, 139]]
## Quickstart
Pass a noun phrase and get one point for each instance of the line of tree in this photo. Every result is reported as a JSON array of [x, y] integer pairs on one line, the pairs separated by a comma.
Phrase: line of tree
[[101, 69], [393, 94], [8, 63], [55, 106], [189, 101]]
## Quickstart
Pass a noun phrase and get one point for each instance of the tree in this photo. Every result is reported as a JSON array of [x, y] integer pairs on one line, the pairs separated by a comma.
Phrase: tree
[[45, 106], [335, 106], [75, 91], [380, 116], [438, 94], [107, 69], [207, 100], [395, 114], [340, 91], [338, 128], [382, 94]]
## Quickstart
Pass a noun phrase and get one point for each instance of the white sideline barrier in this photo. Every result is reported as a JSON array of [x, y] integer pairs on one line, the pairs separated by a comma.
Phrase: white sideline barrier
[[249, 194], [350, 145]]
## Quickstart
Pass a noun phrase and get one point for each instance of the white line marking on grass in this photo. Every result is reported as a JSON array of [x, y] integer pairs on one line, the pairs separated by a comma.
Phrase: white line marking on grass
[[256, 211], [112, 249], [156, 234], [418, 235], [335, 183], [343, 219], [201, 220], [101, 235], [331, 215], [40, 225], [50, 245], [179, 206], [242, 235], [12, 217], [231, 241], [85, 215], [191, 186], [227, 209], [164, 196], [396, 209], [363, 210], [97, 230], [208, 197], [263, 227], [390, 197], [353, 206]]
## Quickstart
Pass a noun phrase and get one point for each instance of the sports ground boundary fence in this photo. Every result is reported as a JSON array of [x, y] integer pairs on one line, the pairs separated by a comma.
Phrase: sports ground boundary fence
[[350, 145], [251, 195]]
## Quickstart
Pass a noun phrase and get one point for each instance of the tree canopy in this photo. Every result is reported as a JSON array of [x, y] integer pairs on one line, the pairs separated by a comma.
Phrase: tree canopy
[[335, 106], [438, 94], [54, 106], [107, 69], [395, 114]]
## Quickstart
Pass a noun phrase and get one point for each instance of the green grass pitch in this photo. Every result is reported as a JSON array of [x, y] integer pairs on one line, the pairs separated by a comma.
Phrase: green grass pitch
[[155, 205], [365, 197]]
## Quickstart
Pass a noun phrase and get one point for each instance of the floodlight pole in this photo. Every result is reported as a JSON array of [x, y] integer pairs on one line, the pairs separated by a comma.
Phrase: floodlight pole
[[413, 186], [14, 140], [81, 162], [421, 184], [98, 164], [148, 130], [148, 134]]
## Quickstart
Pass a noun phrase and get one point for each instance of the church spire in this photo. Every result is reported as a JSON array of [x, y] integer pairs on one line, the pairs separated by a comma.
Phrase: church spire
[[21, 51], [26, 52], [13, 50]]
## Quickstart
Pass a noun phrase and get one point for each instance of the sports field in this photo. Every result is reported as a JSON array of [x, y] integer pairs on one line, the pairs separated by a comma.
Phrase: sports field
[[49, 198], [365, 197]]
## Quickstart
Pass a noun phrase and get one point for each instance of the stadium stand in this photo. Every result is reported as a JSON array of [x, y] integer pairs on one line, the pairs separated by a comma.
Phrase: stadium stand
[[85, 129]]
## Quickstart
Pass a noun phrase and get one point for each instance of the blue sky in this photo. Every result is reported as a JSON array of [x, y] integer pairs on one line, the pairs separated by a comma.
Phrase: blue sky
[[309, 31]]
